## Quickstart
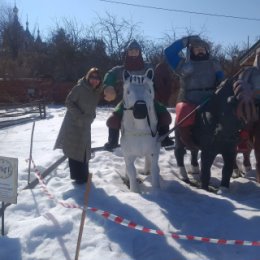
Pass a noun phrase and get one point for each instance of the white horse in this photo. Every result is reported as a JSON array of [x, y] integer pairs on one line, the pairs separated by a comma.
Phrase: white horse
[[139, 127]]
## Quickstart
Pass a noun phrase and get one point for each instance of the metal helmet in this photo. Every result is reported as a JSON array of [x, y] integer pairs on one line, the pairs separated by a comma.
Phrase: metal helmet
[[198, 42], [134, 45]]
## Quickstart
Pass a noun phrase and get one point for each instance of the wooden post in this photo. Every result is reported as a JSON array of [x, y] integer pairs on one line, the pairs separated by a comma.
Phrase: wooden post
[[83, 216], [30, 156]]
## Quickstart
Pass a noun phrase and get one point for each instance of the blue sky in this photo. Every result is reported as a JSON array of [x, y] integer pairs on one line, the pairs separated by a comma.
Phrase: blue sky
[[153, 23]]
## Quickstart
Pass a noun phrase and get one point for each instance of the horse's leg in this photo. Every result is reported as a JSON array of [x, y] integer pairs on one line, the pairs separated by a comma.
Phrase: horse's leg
[[207, 159], [147, 165], [194, 162], [246, 164], [155, 170], [257, 157], [179, 153], [229, 156], [131, 172], [246, 161], [257, 149], [236, 171]]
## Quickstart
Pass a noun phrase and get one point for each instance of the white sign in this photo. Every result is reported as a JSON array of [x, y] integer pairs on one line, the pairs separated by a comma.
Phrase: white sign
[[8, 179]]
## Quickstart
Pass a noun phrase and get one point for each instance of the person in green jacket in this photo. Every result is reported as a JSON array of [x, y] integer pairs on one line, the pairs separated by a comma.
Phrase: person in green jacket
[[135, 65], [74, 137]]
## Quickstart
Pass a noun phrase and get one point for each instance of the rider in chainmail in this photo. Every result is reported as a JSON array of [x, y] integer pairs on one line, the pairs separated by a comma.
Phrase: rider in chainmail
[[199, 75]]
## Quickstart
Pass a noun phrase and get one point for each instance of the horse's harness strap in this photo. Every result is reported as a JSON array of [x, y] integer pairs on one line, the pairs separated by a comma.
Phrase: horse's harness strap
[[132, 133], [153, 134], [149, 123], [201, 89]]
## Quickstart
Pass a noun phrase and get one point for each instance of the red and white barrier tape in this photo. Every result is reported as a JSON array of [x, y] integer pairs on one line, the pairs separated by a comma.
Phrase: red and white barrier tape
[[131, 224]]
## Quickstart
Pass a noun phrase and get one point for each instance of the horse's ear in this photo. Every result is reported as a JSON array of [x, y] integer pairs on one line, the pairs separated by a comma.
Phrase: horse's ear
[[126, 75], [149, 73]]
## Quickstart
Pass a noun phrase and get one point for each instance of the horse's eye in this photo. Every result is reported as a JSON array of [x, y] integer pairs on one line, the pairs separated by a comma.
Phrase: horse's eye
[[128, 92]]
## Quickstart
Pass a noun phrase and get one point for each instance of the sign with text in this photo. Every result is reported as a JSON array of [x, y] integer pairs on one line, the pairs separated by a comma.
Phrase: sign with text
[[8, 179]]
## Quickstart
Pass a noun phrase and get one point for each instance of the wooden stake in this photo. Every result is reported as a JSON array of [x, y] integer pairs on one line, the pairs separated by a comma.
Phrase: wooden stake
[[30, 156], [3, 218], [83, 216]]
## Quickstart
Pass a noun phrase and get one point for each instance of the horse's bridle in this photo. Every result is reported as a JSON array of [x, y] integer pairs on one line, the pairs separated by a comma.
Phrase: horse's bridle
[[153, 134]]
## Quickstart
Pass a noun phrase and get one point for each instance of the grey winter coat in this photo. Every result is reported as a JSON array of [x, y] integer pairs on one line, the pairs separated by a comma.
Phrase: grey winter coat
[[74, 137]]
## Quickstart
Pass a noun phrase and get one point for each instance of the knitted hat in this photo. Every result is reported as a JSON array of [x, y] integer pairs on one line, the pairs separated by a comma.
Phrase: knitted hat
[[134, 45]]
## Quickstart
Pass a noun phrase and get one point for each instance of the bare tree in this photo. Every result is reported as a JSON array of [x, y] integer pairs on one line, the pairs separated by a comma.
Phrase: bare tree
[[115, 34], [5, 18]]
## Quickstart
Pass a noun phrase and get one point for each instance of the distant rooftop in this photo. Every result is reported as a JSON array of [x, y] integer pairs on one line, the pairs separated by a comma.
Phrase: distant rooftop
[[248, 57]]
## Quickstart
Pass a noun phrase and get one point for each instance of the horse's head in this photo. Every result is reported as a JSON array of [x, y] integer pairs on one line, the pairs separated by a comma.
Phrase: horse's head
[[138, 93]]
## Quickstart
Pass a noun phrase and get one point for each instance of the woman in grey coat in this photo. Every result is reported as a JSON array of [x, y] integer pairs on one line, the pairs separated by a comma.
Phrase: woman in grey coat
[[75, 133]]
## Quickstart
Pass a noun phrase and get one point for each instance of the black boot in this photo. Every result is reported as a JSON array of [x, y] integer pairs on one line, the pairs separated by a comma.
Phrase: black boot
[[167, 141], [78, 171], [113, 136]]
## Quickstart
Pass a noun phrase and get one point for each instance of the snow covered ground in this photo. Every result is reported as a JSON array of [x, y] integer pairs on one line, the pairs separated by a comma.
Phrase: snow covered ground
[[39, 228]]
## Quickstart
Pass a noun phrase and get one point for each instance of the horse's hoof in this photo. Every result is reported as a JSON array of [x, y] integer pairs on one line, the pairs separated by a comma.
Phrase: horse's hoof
[[156, 186], [187, 180], [223, 190], [236, 173], [204, 187], [183, 173], [135, 191], [195, 169]]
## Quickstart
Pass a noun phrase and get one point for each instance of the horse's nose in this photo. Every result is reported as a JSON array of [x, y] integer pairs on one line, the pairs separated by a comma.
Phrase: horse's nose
[[140, 109]]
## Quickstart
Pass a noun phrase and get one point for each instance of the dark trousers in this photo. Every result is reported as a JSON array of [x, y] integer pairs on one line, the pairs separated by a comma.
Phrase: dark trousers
[[78, 170]]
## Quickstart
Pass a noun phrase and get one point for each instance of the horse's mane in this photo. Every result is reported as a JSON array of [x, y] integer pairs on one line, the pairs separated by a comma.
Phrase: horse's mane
[[138, 79], [233, 78], [243, 74], [244, 70]]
